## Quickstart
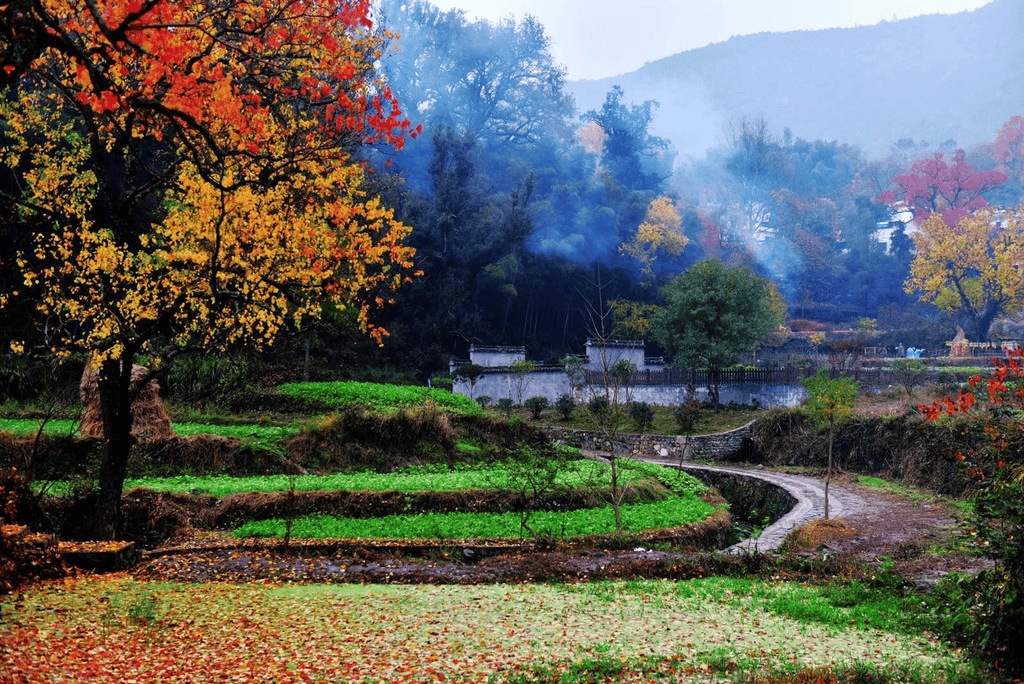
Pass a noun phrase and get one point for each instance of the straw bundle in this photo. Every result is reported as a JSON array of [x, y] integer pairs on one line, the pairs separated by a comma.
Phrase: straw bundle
[[150, 420]]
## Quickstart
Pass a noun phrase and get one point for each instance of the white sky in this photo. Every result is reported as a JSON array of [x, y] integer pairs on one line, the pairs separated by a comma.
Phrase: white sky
[[601, 38]]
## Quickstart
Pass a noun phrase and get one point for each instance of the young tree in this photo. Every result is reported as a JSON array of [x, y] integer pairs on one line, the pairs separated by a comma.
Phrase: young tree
[[953, 189], [471, 373], [972, 266], [829, 402], [712, 314], [187, 180]]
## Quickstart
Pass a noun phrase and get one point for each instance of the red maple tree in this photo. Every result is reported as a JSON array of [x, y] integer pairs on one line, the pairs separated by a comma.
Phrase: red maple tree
[[952, 188]]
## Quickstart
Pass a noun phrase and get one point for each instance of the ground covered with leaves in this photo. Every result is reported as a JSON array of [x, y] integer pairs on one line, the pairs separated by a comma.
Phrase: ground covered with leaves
[[118, 628], [208, 607]]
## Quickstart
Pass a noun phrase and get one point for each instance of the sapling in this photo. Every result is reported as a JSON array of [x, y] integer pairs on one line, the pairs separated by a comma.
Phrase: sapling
[[829, 402]]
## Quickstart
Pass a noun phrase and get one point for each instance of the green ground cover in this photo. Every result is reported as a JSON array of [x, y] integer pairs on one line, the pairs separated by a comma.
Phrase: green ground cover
[[379, 397], [260, 435], [673, 512], [573, 473], [118, 629]]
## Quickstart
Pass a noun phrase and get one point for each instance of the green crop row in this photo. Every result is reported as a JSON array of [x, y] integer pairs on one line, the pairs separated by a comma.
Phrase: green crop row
[[672, 512], [378, 397], [579, 473], [263, 435]]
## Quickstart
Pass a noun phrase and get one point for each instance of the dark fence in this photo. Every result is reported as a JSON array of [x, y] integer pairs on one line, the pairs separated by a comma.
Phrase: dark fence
[[786, 375]]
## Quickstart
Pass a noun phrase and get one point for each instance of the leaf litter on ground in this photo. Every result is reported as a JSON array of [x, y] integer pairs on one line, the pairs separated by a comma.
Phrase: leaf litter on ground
[[117, 628]]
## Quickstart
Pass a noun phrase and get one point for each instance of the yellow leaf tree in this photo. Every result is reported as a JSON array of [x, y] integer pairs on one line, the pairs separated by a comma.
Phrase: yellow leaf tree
[[973, 267], [186, 180], [661, 232]]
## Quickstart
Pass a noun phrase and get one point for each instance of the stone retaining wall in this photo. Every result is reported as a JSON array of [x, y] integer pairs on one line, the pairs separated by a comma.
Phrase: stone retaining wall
[[723, 446], [751, 500]]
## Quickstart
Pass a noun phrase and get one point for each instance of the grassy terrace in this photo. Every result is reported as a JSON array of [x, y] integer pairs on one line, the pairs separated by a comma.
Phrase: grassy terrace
[[674, 512]]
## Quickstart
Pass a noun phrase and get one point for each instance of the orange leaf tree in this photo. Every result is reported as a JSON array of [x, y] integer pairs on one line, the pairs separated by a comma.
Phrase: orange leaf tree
[[185, 179]]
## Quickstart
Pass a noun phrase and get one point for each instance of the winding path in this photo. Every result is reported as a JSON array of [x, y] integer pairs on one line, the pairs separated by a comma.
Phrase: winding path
[[809, 493]]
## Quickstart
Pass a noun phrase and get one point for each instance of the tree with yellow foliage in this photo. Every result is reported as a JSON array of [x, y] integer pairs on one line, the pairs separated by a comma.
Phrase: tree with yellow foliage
[[661, 232], [185, 180], [973, 267]]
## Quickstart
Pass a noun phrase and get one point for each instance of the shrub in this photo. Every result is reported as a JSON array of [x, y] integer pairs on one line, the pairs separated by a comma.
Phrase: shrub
[[995, 599], [641, 413], [203, 379], [536, 406], [599, 405], [505, 405], [686, 415], [442, 382], [484, 400], [565, 405]]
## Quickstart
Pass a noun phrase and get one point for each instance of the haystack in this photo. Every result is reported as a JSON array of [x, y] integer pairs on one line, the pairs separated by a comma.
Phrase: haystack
[[149, 419]]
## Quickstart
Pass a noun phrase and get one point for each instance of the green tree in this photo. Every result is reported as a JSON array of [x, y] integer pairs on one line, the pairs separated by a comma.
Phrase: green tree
[[713, 313], [908, 372], [829, 402], [634, 157], [471, 373]]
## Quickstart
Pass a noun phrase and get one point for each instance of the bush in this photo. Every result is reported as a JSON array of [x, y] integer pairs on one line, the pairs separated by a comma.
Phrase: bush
[[505, 405], [442, 382], [209, 379], [536, 406], [641, 413], [599, 405], [565, 405], [686, 415], [484, 400]]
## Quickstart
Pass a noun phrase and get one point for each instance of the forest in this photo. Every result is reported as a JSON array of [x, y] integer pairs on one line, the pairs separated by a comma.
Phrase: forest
[[534, 223], [530, 215]]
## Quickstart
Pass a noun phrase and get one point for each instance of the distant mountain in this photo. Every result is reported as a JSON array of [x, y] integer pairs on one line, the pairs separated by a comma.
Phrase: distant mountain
[[933, 78]]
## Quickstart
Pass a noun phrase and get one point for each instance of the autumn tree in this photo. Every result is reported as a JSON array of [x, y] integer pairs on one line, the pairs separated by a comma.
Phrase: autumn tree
[[954, 188], [971, 267], [186, 180], [1008, 147], [660, 233]]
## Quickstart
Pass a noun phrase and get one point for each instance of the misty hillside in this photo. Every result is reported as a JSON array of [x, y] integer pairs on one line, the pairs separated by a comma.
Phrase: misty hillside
[[932, 78]]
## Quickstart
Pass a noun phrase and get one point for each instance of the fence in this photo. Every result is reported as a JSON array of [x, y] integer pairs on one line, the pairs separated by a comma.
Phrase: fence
[[785, 375]]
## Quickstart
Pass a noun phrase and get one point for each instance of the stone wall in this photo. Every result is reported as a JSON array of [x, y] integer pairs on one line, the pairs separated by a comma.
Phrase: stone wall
[[751, 500], [551, 383], [502, 383], [723, 446]]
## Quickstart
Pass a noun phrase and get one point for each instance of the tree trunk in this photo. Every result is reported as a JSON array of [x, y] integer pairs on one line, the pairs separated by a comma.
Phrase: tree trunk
[[116, 408], [713, 380], [616, 494], [828, 472], [984, 320]]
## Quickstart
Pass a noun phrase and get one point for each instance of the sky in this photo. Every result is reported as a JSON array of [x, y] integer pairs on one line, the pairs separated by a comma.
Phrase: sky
[[602, 38]]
